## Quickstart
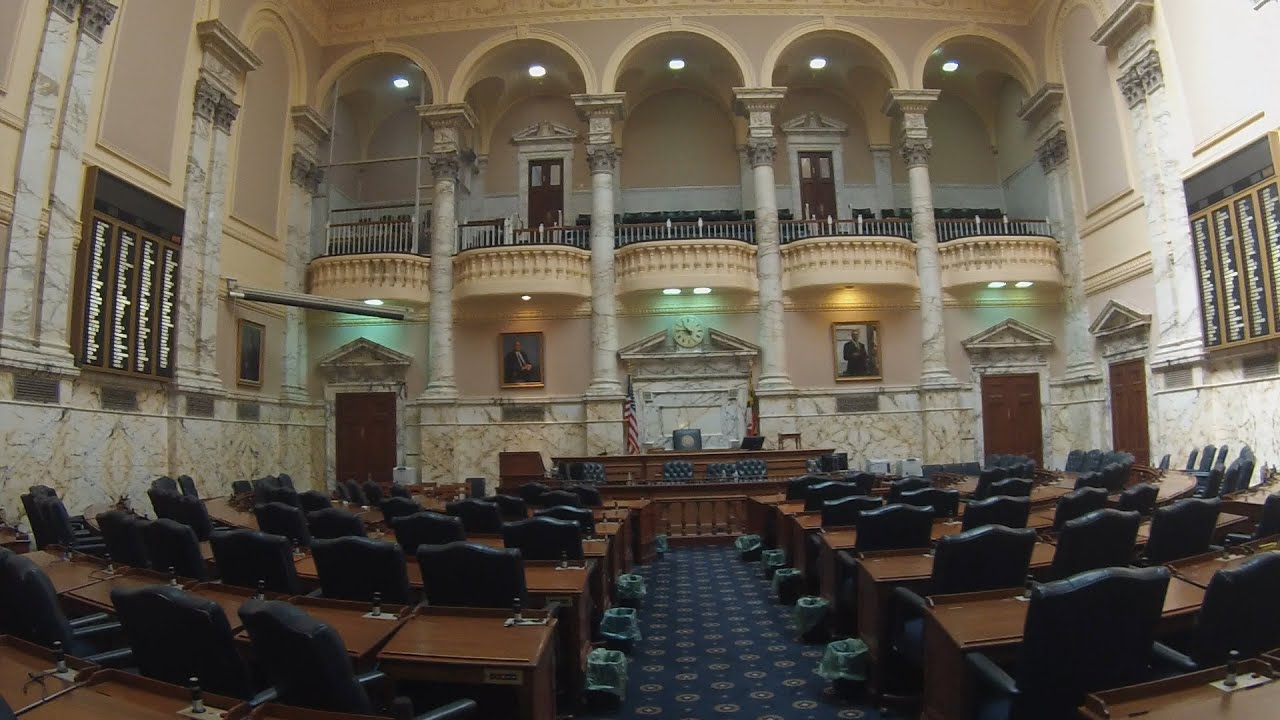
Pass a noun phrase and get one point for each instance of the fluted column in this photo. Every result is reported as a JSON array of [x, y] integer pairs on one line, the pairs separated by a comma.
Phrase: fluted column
[[600, 112], [916, 146], [882, 171], [449, 124], [758, 104], [309, 130]]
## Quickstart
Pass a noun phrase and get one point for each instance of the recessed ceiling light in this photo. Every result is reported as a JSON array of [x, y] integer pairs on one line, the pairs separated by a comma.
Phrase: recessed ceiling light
[[996, 284], [671, 291], [373, 301], [537, 71], [526, 298], [950, 66], [1023, 284], [676, 63], [400, 82], [817, 63], [702, 291]]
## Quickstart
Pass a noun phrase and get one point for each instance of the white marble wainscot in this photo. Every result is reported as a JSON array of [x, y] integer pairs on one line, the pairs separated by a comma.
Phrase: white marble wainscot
[[437, 428], [604, 429], [488, 426], [950, 424], [1221, 406], [1011, 347], [363, 366], [1077, 418]]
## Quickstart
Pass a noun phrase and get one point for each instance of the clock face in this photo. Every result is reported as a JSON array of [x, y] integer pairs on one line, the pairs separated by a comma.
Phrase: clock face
[[688, 331]]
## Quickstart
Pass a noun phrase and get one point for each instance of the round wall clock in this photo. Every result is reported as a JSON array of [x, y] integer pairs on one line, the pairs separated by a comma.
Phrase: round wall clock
[[688, 331]]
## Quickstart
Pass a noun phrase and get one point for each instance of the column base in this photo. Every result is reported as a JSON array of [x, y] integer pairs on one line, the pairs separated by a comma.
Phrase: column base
[[605, 389], [937, 377], [440, 391], [774, 383], [197, 382], [19, 354], [295, 394]]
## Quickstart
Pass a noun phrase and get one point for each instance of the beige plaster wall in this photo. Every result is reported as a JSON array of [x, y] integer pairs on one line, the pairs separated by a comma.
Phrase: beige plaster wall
[[261, 138], [566, 356], [10, 24], [679, 128], [810, 354], [1015, 143], [502, 173], [1095, 113]]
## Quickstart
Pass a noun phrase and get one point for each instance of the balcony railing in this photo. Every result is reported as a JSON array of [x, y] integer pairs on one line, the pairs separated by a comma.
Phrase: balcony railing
[[792, 230], [741, 230], [495, 233], [382, 229], [987, 227]]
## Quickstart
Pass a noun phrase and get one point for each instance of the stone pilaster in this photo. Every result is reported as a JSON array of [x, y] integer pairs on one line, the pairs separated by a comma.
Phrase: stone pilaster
[[600, 112], [309, 130], [758, 105], [916, 146], [882, 169], [449, 125], [1160, 148]]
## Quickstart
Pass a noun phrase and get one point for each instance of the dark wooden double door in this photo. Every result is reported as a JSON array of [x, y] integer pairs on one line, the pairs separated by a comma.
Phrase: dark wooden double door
[[1011, 423], [817, 185], [365, 424], [1129, 410], [546, 192]]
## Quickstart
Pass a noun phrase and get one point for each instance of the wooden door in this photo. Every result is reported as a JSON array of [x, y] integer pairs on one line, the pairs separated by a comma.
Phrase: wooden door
[[1129, 410], [817, 186], [1011, 416], [366, 436], [546, 192]]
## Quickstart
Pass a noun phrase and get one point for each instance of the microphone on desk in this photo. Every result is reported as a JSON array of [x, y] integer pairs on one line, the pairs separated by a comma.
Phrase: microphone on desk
[[111, 568], [1233, 658], [377, 605], [261, 594], [564, 560], [1030, 585], [59, 657], [197, 699], [173, 576], [516, 617]]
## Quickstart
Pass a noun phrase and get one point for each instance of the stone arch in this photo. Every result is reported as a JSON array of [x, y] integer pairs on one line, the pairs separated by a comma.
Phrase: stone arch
[[1022, 65], [893, 67], [367, 50], [614, 67], [462, 78], [1053, 34], [269, 16]]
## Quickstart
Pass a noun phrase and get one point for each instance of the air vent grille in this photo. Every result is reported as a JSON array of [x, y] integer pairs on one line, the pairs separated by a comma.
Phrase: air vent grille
[[857, 403], [119, 398], [1257, 367], [246, 410], [524, 413], [28, 388], [200, 405], [1177, 378]]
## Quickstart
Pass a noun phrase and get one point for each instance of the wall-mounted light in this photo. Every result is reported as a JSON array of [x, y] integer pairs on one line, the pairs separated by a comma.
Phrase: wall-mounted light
[[526, 298], [373, 301], [702, 291], [1023, 284]]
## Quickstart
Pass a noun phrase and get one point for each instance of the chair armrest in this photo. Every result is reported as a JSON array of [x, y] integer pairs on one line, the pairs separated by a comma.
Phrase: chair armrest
[[121, 658], [89, 620], [94, 630], [370, 677], [269, 695], [991, 675], [1166, 655], [317, 593], [909, 599], [453, 711], [848, 563], [90, 548]]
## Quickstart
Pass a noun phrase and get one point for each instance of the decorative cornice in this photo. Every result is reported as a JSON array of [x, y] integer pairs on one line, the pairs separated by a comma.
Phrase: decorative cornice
[[65, 8], [1052, 151], [916, 151], [909, 102], [448, 116], [95, 17], [1045, 101], [1143, 77], [608, 105], [308, 123], [602, 157], [751, 100], [304, 173], [1128, 18], [1118, 275], [814, 123], [218, 40]]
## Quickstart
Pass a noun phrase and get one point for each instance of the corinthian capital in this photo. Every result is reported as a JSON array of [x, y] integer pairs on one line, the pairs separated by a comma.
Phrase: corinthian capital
[[207, 99], [95, 17], [444, 165], [602, 157], [762, 151], [225, 114], [1053, 151], [65, 8], [916, 151]]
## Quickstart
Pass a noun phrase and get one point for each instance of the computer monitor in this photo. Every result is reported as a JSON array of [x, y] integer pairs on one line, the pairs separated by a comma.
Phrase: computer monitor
[[752, 442], [686, 440]]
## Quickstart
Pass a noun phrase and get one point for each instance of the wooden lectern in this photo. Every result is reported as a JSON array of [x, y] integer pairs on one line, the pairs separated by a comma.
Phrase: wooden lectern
[[518, 468]]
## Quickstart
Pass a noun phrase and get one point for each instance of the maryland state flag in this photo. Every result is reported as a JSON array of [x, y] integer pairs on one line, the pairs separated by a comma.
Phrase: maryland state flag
[[753, 411]]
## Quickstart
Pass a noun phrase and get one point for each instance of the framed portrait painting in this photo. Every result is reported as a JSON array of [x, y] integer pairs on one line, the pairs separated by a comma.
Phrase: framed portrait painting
[[522, 363], [249, 339], [856, 348]]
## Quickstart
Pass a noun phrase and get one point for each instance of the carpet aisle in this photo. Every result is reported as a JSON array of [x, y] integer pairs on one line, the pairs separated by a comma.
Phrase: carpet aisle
[[716, 644]]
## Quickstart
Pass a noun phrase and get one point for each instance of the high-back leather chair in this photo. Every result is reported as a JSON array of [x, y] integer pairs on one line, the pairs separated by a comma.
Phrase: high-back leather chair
[[122, 534], [544, 538], [172, 545], [176, 636], [530, 492], [894, 527], [846, 511], [1182, 529], [905, 485], [355, 493], [1011, 512], [340, 492], [281, 494], [1077, 503], [585, 519], [1164, 462], [164, 502], [285, 520], [479, 516], [246, 558], [752, 469], [553, 498], [1268, 522], [1245, 475], [427, 528], [193, 513], [944, 503], [986, 478], [1191, 460], [261, 486], [1207, 457], [1212, 486], [1222, 455], [1140, 498], [312, 500], [819, 493], [987, 558], [1239, 612], [400, 491], [354, 568], [334, 522], [865, 481], [589, 496], [187, 485], [1114, 476], [719, 471], [593, 473], [1075, 459], [1012, 487], [510, 507], [164, 483], [1101, 539], [493, 577], [55, 527], [1094, 479], [394, 507], [284, 480], [372, 492], [1090, 632], [29, 610], [677, 471], [1092, 461], [798, 488]]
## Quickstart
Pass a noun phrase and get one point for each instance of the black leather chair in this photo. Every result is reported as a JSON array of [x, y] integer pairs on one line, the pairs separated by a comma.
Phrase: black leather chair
[[1115, 475], [1207, 457], [122, 534], [905, 485], [1182, 529], [544, 538], [589, 496], [1092, 461], [396, 507], [187, 485], [865, 481], [400, 491], [246, 558], [553, 498], [1212, 486], [1091, 480], [1075, 459], [355, 493], [1222, 455], [372, 492], [427, 528], [284, 480], [334, 522], [1101, 539], [174, 547], [340, 492], [894, 527], [313, 500], [1140, 498], [464, 575], [1078, 503], [1086, 633], [1268, 522], [307, 664], [29, 610], [164, 483], [1238, 613], [986, 478], [1012, 487], [677, 471], [193, 513], [261, 486], [1011, 512], [818, 494], [530, 492], [585, 519], [1164, 462], [176, 636], [945, 503], [479, 516], [354, 568], [280, 494], [284, 520], [798, 488], [1191, 460], [510, 507], [846, 511], [52, 525]]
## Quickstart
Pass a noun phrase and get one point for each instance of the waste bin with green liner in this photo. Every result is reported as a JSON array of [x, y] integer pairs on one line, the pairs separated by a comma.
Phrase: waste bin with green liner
[[845, 664], [606, 678], [749, 547], [660, 544], [810, 617], [620, 629], [788, 583], [631, 590], [772, 560]]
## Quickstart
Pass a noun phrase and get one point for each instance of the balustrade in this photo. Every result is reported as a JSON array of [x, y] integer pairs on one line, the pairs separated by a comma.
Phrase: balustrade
[[378, 229], [793, 230]]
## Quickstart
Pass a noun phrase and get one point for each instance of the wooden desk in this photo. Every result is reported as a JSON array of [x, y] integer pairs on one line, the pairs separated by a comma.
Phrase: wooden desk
[[1226, 521], [1200, 569], [272, 711], [11, 539], [68, 575], [19, 658], [471, 646], [363, 636], [992, 622], [548, 585], [1189, 697], [220, 510], [229, 598], [97, 596], [647, 467], [112, 694]]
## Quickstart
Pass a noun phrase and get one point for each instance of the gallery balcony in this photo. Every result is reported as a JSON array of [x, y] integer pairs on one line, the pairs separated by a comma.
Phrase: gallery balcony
[[494, 260], [652, 257], [374, 253], [823, 254], [975, 254]]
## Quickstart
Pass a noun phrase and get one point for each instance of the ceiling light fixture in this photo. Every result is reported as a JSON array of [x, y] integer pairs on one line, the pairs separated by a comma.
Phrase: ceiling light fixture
[[373, 301], [537, 71], [950, 66], [671, 291], [526, 298], [996, 284], [400, 83], [676, 63], [702, 291], [1023, 284], [817, 63]]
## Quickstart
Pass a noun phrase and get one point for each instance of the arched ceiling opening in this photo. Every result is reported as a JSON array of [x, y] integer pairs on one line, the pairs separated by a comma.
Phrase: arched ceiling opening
[[369, 92], [853, 69], [709, 68], [975, 70], [501, 78]]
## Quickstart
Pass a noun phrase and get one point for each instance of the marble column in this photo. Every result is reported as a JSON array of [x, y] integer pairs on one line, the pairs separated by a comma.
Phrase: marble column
[[882, 171], [195, 198], [758, 104], [309, 131], [449, 123], [28, 226], [215, 216], [916, 146]]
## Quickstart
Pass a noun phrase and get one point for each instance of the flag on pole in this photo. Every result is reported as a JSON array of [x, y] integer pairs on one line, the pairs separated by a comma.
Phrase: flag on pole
[[630, 423]]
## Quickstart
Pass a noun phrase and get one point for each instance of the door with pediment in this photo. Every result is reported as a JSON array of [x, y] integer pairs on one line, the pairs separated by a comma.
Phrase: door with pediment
[[546, 192], [817, 185], [365, 424]]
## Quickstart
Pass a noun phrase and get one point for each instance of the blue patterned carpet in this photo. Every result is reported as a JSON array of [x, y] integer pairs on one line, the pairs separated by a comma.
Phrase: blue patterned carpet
[[716, 644]]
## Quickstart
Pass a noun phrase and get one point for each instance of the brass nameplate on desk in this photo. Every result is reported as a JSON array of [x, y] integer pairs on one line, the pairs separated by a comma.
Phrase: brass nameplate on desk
[[1243, 682], [495, 676]]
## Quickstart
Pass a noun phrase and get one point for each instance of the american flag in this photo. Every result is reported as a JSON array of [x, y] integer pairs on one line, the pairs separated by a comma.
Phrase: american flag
[[631, 424]]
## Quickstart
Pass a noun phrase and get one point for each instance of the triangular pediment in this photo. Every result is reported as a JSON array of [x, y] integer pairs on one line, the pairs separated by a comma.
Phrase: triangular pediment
[[1116, 317], [544, 131], [1007, 335], [659, 345], [363, 352], [814, 122]]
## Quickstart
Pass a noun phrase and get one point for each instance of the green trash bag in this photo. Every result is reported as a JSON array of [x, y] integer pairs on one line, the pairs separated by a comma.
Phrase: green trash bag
[[787, 584], [620, 629], [844, 660], [749, 547], [810, 616], [773, 560], [607, 672], [660, 544], [630, 589]]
